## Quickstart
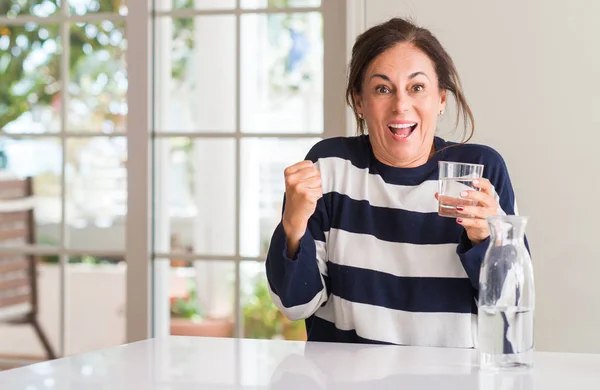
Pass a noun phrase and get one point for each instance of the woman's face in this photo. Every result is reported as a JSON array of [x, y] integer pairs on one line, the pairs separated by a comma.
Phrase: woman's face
[[400, 102]]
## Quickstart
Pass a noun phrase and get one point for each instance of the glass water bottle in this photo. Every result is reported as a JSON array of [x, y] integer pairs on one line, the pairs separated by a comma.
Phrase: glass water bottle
[[506, 297]]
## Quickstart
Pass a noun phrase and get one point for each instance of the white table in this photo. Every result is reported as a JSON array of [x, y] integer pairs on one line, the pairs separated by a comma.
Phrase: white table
[[177, 363]]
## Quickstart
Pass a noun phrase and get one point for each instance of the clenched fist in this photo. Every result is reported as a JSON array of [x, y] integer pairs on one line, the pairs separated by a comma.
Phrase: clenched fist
[[302, 191]]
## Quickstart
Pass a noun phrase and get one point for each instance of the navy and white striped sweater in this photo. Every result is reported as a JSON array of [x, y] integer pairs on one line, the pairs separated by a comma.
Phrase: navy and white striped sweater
[[377, 264]]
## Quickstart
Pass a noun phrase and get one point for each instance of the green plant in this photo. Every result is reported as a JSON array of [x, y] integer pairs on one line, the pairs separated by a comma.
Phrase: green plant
[[187, 307], [262, 319], [24, 85], [20, 88]]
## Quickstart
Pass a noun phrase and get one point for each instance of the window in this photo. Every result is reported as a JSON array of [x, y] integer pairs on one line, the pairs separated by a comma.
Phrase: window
[[239, 96], [63, 111], [188, 115]]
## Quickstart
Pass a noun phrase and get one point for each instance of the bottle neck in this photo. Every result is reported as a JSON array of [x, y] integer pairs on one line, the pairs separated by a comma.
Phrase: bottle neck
[[507, 234]]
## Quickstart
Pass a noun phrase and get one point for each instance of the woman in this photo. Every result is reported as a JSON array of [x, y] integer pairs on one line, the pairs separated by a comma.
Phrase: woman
[[361, 252]]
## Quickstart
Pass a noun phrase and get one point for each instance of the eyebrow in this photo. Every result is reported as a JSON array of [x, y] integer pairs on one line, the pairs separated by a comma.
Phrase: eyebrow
[[410, 76]]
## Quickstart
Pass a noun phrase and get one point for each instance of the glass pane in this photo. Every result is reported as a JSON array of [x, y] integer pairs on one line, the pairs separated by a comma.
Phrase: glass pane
[[195, 195], [40, 159], [30, 78], [82, 7], [98, 84], [96, 193], [20, 341], [262, 182], [282, 73], [163, 5], [262, 319], [40, 8], [196, 76], [95, 303], [253, 4], [201, 297]]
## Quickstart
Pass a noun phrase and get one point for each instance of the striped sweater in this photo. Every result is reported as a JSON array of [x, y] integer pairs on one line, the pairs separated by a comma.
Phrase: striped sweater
[[377, 264]]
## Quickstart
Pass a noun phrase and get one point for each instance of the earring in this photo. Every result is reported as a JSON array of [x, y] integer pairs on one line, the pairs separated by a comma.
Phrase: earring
[[441, 112], [360, 115]]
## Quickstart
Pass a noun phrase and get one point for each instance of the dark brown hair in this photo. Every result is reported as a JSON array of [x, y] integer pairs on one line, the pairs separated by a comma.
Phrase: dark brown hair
[[379, 38]]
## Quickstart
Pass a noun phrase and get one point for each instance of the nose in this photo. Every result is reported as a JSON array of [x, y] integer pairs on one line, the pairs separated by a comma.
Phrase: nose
[[401, 102]]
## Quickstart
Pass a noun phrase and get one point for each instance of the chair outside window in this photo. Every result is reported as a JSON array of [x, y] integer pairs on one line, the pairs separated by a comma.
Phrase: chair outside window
[[18, 272]]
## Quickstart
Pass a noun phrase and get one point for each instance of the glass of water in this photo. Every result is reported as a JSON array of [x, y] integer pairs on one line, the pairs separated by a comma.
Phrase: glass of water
[[454, 178]]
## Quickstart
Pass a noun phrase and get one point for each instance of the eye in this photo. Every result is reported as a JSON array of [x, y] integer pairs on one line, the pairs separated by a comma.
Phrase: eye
[[418, 88], [382, 89]]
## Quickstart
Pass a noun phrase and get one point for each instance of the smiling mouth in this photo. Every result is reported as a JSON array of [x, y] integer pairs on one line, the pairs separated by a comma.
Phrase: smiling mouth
[[402, 130]]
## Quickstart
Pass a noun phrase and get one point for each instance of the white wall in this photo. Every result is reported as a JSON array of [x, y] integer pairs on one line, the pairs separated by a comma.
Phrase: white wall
[[531, 72]]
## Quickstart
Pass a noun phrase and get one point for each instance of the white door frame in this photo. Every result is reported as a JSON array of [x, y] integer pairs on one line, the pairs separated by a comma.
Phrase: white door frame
[[343, 19], [139, 208]]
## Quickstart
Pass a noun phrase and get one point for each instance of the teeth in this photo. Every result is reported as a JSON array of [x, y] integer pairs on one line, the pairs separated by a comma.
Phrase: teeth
[[402, 126]]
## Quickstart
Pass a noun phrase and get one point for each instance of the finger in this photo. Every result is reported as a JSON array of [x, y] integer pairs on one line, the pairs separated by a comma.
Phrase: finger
[[475, 211], [474, 224], [311, 194], [481, 198], [485, 186], [302, 175], [298, 166], [476, 229], [305, 173], [313, 182]]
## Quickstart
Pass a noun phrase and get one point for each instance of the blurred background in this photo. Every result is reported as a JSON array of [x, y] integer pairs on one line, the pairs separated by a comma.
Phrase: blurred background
[[235, 94]]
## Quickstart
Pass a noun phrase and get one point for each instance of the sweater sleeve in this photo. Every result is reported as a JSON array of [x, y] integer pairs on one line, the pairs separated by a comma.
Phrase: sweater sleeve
[[471, 256], [298, 286]]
